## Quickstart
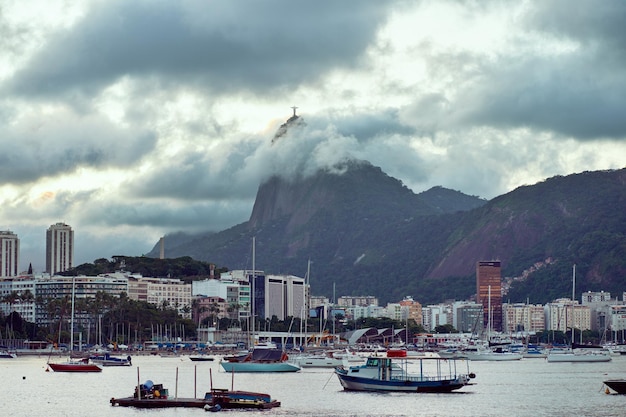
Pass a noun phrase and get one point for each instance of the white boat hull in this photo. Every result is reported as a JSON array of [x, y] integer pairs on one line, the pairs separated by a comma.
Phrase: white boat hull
[[494, 356], [578, 357]]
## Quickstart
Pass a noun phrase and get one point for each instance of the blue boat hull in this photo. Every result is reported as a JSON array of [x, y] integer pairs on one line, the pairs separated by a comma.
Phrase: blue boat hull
[[352, 383], [259, 367], [389, 374]]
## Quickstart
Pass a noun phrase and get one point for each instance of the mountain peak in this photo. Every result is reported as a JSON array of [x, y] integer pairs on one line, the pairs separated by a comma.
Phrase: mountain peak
[[294, 121]]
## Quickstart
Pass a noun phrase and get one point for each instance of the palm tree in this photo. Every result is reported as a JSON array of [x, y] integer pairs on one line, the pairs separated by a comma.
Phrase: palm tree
[[11, 299]]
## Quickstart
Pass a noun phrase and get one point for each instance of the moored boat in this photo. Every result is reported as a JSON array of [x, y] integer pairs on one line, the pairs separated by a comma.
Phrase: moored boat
[[5, 354], [535, 351], [617, 385], [82, 365], [74, 365], [107, 359], [150, 395], [328, 359], [578, 355], [492, 354], [261, 360], [396, 353], [390, 374], [201, 357]]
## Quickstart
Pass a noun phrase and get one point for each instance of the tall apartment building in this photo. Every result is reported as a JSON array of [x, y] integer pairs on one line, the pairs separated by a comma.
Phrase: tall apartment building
[[24, 303], [590, 298], [362, 301], [489, 293], [412, 310], [171, 292], [564, 314], [59, 248], [519, 317], [617, 321], [83, 287], [285, 296], [9, 255], [467, 317]]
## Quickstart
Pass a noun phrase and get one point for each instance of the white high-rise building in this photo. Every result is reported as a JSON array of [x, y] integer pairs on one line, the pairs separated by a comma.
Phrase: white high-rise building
[[10, 255], [59, 248]]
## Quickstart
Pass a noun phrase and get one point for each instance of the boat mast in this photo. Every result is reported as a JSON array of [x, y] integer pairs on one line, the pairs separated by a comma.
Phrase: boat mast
[[573, 298], [72, 318], [331, 313], [252, 286], [306, 313], [489, 315]]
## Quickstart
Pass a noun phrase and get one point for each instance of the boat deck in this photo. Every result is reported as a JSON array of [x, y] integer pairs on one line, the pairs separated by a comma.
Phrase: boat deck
[[188, 403], [159, 403]]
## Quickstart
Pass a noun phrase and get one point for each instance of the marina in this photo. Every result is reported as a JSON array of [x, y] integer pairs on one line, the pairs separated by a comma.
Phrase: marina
[[528, 387]]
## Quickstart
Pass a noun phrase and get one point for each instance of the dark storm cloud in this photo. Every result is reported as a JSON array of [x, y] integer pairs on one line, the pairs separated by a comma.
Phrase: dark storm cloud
[[598, 25], [200, 215], [46, 146], [576, 89], [222, 46], [211, 176], [569, 96]]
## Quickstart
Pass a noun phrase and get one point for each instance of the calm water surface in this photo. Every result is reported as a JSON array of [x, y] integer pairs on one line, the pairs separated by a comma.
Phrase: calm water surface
[[530, 387]]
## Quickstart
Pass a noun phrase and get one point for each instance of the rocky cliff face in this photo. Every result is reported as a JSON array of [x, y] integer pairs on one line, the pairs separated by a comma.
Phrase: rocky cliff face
[[370, 235]]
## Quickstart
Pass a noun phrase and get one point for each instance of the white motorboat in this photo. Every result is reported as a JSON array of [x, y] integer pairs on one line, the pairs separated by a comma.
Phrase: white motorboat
[[328, 359], [578, 355], [491, 354]]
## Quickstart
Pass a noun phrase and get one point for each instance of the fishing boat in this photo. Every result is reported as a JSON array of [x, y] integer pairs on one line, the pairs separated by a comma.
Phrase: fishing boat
[[391, 374], [617, 385], [107, 359]]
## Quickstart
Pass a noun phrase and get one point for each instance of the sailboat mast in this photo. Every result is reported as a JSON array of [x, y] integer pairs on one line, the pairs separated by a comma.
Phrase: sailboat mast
[[72, 318], [489, 315], [252, 286], [306, 313], [573, 298]]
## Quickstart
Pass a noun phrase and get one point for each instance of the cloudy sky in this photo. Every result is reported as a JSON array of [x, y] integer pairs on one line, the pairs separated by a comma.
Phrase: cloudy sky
[[131, 119]]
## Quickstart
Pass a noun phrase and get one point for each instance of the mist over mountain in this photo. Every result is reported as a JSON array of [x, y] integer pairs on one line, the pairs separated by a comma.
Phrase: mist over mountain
[[367, 234]]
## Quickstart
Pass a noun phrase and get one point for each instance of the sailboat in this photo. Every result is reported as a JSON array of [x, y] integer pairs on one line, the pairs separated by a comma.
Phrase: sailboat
[[263, 357], [489, 353], [574, 353], [74, 365]]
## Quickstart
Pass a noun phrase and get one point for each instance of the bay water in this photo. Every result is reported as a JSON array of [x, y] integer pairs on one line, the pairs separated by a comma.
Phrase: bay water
[[529, 387]]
